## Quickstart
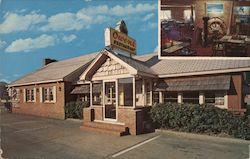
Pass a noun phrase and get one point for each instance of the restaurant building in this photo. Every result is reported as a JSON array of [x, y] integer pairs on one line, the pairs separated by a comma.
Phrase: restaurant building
[[122, 88]]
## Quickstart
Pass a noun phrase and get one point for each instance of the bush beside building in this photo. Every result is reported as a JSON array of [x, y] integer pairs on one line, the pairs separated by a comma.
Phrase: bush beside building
[[200, 119], [75, 109]]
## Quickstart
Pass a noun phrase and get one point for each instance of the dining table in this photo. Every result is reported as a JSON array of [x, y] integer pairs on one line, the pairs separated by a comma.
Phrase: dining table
[[173, 49], [235, 45]]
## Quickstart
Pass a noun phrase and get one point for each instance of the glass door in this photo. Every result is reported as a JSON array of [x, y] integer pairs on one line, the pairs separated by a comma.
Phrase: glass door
[[110, 100]]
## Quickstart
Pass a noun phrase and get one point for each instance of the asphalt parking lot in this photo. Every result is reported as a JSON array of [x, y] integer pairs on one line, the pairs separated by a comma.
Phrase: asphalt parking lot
[[25, 137]]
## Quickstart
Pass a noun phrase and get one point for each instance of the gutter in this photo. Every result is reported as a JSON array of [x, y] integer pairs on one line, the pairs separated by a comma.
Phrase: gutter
[[39, 82], [205, 72]]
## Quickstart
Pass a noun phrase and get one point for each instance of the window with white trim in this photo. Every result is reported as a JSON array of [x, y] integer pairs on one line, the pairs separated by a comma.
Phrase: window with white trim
[[30, 95], [48, 94]]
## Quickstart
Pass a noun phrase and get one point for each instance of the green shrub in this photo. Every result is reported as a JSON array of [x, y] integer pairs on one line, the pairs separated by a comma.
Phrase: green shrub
[[75, 109], [200, 119]]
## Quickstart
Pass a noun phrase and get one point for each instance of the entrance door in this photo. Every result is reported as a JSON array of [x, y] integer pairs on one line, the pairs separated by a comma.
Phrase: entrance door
[[110, 100]]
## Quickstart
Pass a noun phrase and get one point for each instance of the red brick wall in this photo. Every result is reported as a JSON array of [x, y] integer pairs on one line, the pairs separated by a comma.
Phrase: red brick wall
[[51, 110]]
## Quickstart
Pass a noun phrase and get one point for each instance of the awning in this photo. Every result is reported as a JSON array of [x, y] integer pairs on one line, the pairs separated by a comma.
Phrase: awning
[[81, 89], [195, 84], [97, 87]]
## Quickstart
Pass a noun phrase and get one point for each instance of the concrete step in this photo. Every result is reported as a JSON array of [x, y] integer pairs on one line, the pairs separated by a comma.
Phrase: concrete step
[[115, 129]]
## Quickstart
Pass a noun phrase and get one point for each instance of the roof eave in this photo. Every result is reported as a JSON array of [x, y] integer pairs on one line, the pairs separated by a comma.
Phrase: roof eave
[[32, 83], [205, 72]]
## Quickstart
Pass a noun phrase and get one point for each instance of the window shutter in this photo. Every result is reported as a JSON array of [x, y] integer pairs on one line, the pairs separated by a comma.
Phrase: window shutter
[[54, 94], [41, 94], [34, 94], [24, 95]]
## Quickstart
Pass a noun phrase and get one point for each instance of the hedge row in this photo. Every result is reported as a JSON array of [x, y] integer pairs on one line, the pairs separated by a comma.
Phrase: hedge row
[[200, 119], [75, 109]]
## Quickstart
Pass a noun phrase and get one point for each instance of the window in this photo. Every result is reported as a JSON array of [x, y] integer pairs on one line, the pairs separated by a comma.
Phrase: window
[[156, 97], [188, 15], [170, 97], [215, 98], [97, 93], [209, 98], [148, 92], [219, 98], [48, 94], [125, 87], [191, 97], [30, 95], [83, 97], [165, 14]]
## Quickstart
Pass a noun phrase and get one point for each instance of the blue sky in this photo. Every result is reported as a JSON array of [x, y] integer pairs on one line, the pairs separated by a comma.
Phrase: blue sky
[[33, 30]]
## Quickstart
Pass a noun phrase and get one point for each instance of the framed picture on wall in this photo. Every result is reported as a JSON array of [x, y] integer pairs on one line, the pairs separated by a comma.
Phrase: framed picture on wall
[[242, 10], [214, 9]]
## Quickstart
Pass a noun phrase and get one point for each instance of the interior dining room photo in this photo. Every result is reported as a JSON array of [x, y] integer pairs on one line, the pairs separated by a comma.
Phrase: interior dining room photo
[[219, 28]]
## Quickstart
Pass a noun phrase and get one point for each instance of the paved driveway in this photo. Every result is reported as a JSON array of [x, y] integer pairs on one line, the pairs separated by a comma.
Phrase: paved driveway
[[25, 136]]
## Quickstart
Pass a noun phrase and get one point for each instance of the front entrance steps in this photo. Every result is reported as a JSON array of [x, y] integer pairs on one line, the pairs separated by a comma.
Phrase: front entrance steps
[[110, 128]]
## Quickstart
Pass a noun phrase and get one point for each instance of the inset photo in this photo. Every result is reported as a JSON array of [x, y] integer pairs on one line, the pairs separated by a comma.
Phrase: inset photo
[[205, 28]]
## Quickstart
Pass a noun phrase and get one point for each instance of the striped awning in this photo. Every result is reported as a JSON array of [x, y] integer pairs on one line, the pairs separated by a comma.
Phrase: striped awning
[[211, 83], [82, 89]]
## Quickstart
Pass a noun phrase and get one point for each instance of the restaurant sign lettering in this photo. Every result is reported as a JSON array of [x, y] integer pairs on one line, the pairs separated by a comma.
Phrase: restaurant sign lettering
[[118, 40]]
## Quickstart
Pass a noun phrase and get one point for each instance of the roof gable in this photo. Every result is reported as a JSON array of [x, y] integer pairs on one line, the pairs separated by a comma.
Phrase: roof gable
[[107, 64]]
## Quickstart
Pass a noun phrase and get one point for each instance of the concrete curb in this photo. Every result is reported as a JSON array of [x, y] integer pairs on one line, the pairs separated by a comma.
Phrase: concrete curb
[[74, 120], [201, 136]]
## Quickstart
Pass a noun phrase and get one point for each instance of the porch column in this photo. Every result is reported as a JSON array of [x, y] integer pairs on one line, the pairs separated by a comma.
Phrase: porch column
[[201, 98], [151, 92], [134, 93], [90, 94], [180, 98], [160, 97], [226, 100], [143, 91]]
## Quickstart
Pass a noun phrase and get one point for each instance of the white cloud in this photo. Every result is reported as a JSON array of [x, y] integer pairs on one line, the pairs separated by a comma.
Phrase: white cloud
[[87, 0], [0, 2], [130, 9], [67, 21], [86, 17], [14, 22], [63, 22], [5, 80], [2, 44], [69, 38], [148, 26], [43, 41], [148, 16], [29, 44]]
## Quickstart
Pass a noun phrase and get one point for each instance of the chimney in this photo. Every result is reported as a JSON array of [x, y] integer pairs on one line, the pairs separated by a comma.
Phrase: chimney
[[47, 61]]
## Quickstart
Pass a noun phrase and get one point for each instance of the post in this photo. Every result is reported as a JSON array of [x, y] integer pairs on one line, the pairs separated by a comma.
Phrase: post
[[143, 91], [90, 94], [180, 98], [160, 97], [134, 93], [201, 98]]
